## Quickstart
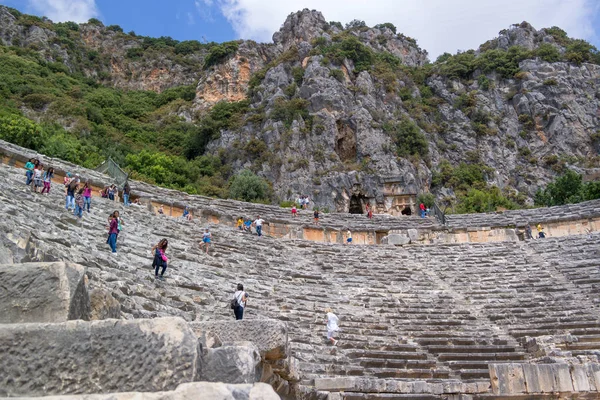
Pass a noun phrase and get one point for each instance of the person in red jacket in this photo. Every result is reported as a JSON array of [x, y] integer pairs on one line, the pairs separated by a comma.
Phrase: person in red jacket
[[422, 208]]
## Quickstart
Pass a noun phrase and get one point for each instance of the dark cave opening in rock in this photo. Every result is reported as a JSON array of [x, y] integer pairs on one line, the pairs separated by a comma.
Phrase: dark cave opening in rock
[[355, 205], [407, 211]]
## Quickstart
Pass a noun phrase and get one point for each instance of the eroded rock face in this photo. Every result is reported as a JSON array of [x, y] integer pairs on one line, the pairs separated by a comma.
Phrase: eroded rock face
[[43, 292], [302, 26], [96, 357]]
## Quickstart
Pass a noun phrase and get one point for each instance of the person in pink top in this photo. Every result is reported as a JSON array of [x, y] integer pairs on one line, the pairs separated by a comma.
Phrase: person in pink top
[[113, 231], [87, 196]]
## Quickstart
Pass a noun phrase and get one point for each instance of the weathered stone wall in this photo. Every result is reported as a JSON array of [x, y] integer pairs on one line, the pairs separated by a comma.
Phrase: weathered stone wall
[[96, 357]]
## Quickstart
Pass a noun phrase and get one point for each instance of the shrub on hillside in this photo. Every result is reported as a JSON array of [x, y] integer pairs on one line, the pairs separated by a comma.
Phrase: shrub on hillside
[[218, 53], [567, 189], [408, 138], [247, 186]]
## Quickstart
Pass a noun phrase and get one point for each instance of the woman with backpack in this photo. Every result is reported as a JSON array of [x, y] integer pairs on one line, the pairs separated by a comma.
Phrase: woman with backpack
[[238, 303], [160, 258]]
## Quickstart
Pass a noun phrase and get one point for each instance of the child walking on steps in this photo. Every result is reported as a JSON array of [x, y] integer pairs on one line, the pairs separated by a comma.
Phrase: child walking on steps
[[332, 326], [160, 258]]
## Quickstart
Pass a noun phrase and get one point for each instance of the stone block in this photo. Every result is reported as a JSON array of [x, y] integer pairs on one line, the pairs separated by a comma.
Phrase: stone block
[[397, 239], [104, 305], [546, 380], [232, 363], [43, 292], [268, 335], [413, 234], [593, 372], [186, 391], [96, 357], [507, 378], [580, 379], [532, 379], [562, 376], [333, 384]]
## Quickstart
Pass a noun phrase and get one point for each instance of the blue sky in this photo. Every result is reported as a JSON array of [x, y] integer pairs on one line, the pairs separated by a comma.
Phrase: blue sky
[[438, 25]]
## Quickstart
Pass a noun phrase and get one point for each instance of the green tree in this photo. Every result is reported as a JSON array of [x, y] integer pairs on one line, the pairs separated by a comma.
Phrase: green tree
[[426, 198], [21, 131], [408, 138], [247, 186]]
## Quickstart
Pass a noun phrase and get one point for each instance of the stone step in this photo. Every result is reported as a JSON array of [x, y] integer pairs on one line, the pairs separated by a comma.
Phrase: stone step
[[509, 356], [436, 349]]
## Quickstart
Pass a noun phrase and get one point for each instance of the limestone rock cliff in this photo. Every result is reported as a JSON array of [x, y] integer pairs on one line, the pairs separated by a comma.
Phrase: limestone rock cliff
[[341, 113]]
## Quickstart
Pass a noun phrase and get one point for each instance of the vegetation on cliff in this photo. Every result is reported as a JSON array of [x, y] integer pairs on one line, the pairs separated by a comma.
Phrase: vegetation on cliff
[[61, 101]]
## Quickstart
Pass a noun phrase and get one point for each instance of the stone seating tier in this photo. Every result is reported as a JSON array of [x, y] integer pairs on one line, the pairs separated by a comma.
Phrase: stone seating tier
[[430, 314]]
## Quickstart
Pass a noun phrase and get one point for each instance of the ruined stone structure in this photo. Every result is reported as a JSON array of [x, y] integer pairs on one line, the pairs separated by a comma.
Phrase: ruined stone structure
[[505, 319]]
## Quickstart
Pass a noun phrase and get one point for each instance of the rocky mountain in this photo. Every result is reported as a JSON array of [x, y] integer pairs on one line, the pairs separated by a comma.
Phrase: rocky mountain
[[336, 112]]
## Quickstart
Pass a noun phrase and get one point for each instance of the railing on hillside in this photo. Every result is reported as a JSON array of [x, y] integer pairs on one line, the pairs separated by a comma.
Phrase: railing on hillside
[[438, 213], [112, 169]]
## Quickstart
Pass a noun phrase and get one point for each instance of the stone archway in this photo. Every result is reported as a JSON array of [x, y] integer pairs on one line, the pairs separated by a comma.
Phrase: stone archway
[[356, 206]]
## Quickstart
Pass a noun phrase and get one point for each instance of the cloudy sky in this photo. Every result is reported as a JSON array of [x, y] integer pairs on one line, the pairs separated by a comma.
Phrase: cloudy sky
[[438, 25]]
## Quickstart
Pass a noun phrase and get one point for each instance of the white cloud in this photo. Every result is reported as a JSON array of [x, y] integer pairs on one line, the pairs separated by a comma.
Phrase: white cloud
[[438, 25], [65, 10], [191, 20], [204, 9]]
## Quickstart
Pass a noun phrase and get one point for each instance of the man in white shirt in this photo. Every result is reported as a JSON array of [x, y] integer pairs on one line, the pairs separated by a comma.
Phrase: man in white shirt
[[258, 224], [332, 326]]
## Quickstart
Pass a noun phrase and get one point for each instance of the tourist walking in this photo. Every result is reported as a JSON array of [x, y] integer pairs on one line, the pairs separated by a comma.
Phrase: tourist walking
[[67, 180], [258, 222], [206, 237], [294, 211], [316, 216], [111, 192], [332, 326], [126, 192], [78, 212], [87, 196], [29, 167], [540, 229], [348, 237], [422, 208], [238, 303], [38, 174], [70, 198], [160, 258], [113, 231], [47, 178]]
